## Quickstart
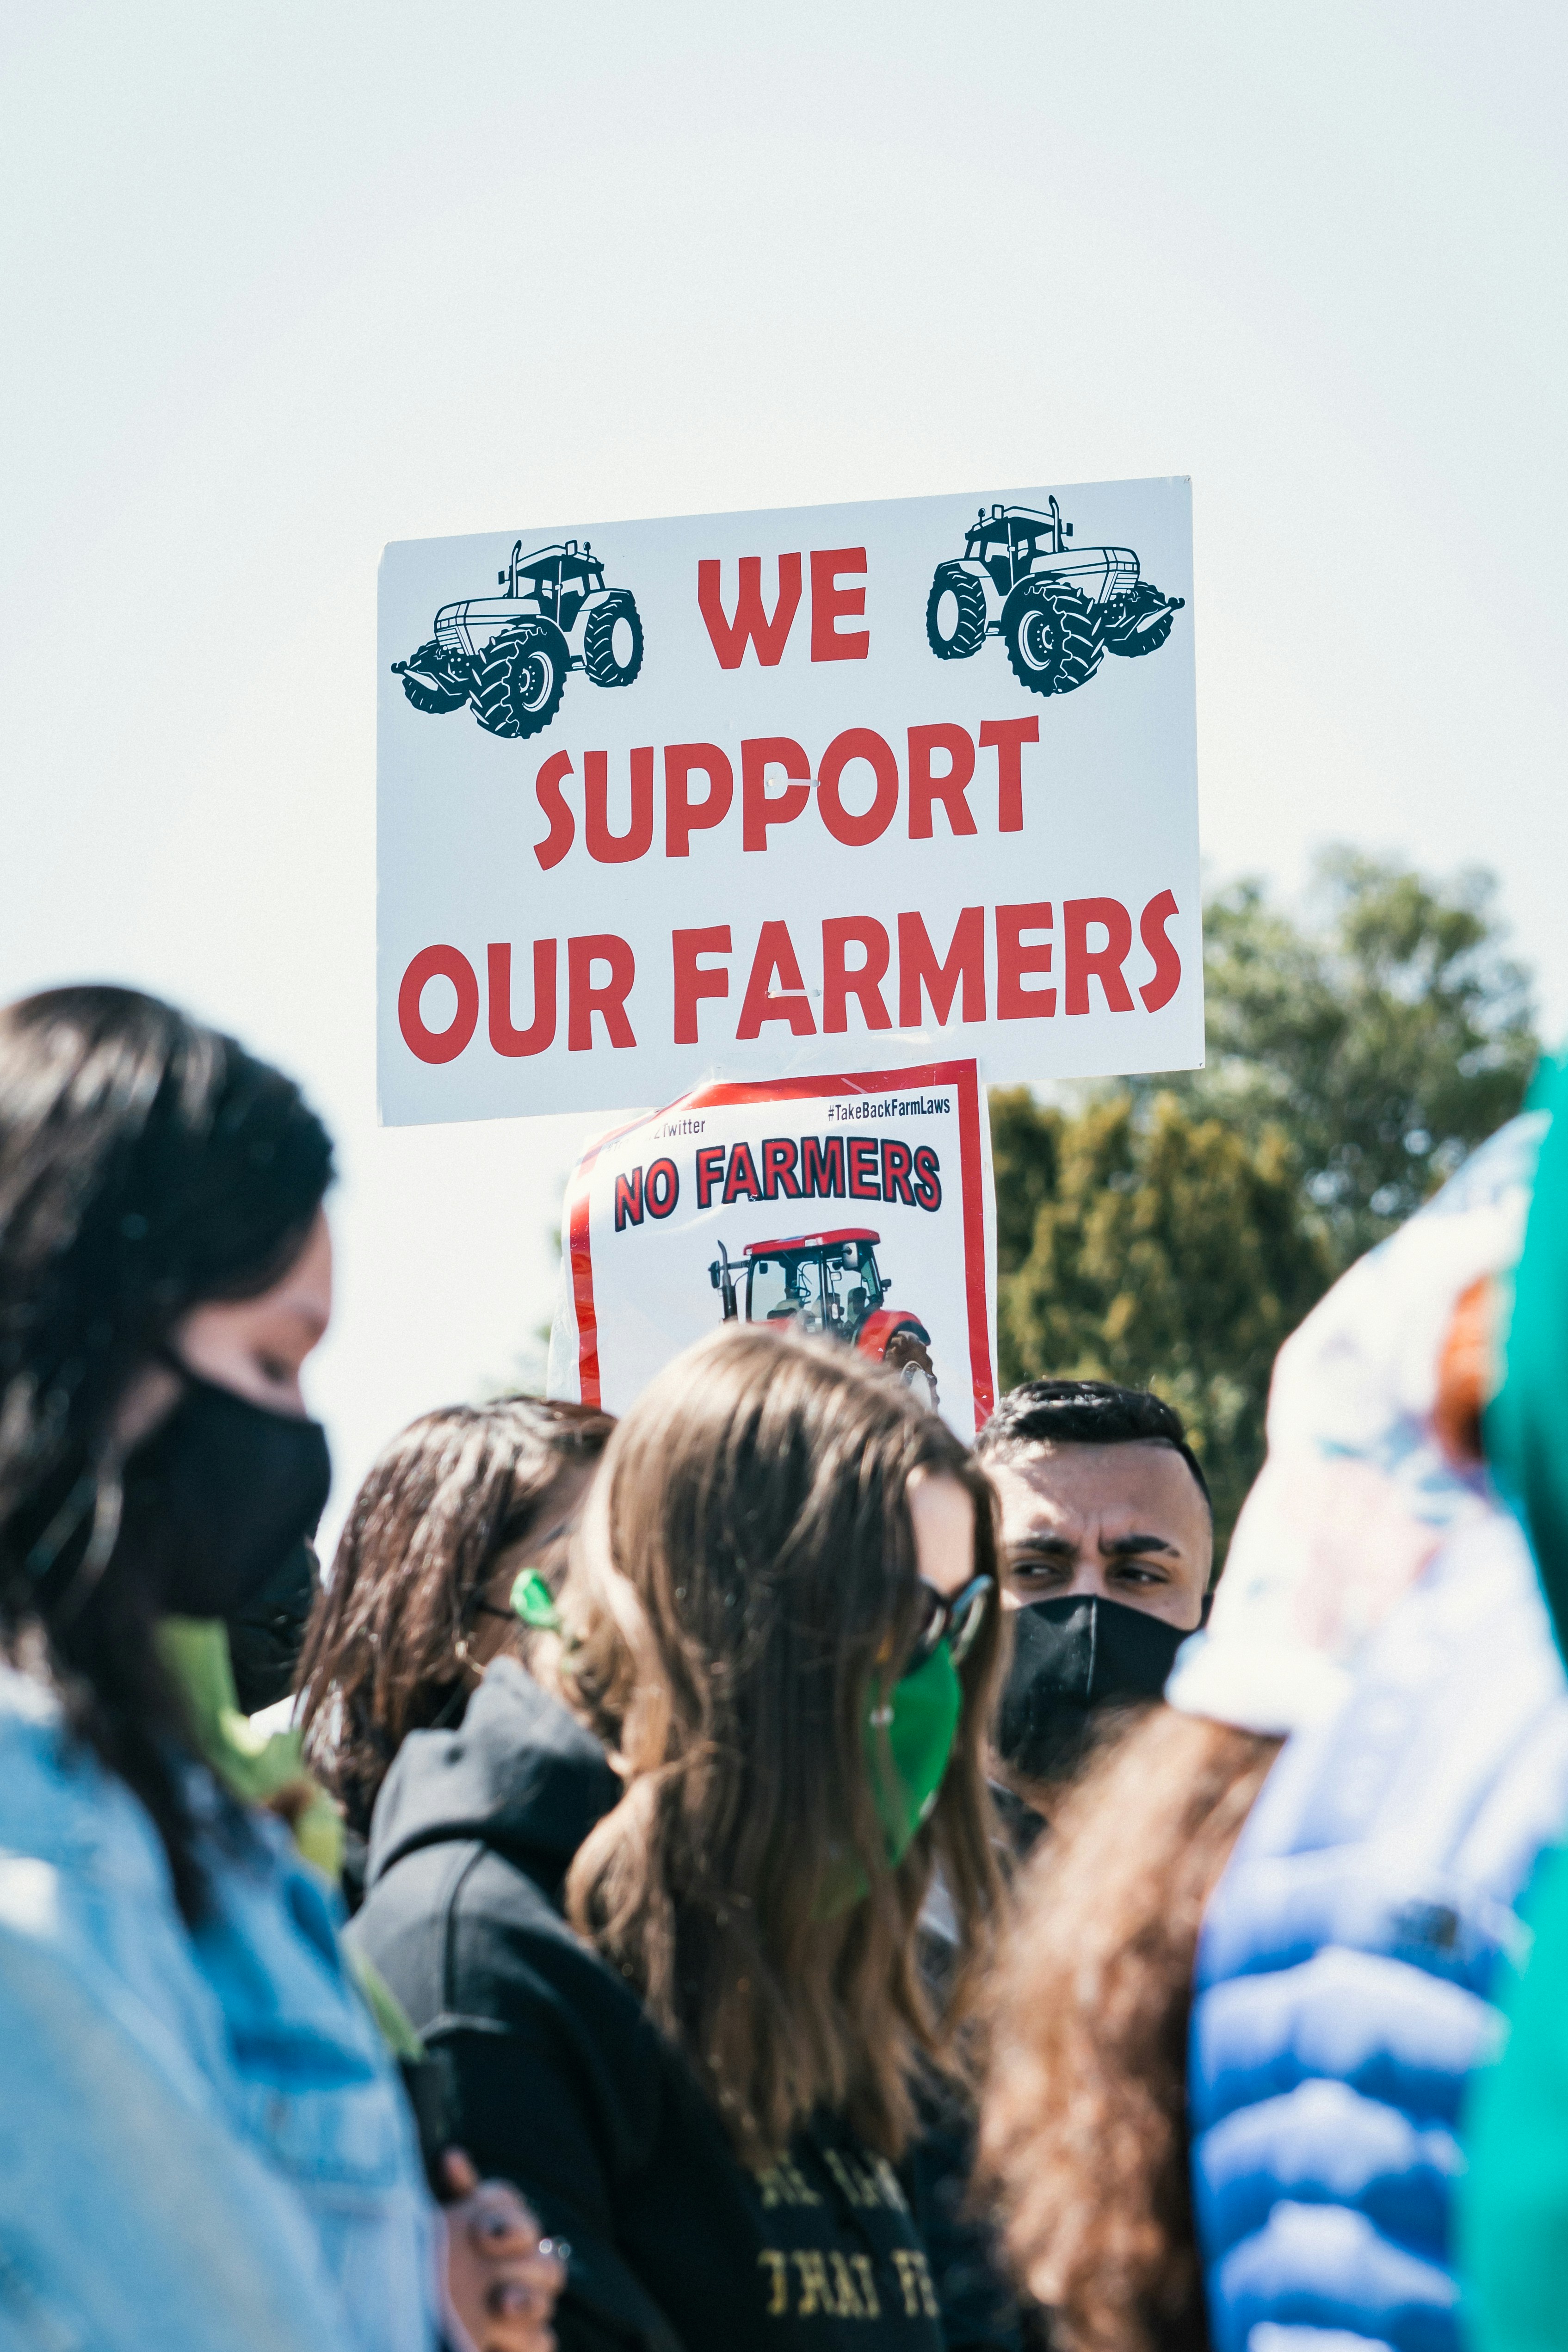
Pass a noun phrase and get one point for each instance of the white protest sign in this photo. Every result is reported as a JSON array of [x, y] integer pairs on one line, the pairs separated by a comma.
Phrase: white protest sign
[[657, 799], [855, 1206]]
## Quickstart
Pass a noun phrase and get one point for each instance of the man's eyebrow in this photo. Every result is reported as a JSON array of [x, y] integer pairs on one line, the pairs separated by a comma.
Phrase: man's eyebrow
[[1122, 1547], [1058, 1546]]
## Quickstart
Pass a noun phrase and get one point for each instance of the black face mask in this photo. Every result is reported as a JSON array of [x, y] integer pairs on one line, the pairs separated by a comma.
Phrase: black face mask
[[1071, 1658], [218, 1498], [267, 1633]]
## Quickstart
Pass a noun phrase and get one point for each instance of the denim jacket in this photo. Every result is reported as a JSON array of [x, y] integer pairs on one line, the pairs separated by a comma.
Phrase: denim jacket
[[203, 2143]]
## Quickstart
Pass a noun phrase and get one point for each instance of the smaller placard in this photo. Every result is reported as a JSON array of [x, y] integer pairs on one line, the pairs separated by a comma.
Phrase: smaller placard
[[858, 1206]]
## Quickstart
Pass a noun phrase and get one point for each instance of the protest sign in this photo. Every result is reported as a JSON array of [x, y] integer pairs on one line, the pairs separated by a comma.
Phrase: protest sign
[[858, 1206], [658, 800]]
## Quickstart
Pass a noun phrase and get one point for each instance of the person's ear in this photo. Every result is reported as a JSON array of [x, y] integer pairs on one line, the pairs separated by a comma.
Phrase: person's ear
[[1467, 1374]]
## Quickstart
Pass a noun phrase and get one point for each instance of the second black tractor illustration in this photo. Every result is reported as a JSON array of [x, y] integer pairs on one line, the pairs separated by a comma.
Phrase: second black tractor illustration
[[1058, 610], [508, 656], [827, 1283]]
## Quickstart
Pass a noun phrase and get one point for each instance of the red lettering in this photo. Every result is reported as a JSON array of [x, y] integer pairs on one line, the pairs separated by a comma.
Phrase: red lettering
[[1167, 960], [759, 807], [822, 1167], [683, 817], [551, 799], [741, 1176], [769, 636], [663, 1188], [1016, 962], [919, 969], [629, 1200], [710, 1169], [928, 1182], [830, 604], [438, 1044], [896, 1174], [541, 1032], [1007, 737], [691, 982], [617, 848], [949, 788], [1084, 963], [857, 744], [863, 1183], [775, 958], [609, 1002], [780, 1153], [839, 983]]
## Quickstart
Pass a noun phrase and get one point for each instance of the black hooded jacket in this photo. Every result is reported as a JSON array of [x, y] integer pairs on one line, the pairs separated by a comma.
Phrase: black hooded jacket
[[556, 2079]]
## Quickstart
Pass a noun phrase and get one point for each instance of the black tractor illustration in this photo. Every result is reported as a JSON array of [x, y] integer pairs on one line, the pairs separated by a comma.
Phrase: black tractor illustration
[[1058, 609], [829, 1283], [508, 656]]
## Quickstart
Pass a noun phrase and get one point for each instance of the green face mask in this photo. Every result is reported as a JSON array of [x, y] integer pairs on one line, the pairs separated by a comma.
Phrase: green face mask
[[908, 1742], [534, 1603], [920, 1720]]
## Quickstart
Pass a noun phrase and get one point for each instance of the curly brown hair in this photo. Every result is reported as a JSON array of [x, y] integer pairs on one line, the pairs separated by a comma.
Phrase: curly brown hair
[[743, 1580], [383, 1652], [1084, 2130]]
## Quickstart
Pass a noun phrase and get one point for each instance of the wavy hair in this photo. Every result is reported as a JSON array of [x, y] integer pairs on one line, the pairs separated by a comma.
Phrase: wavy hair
[[743, 1583], [1084, 2120], [383, 1651], [147, 1165]]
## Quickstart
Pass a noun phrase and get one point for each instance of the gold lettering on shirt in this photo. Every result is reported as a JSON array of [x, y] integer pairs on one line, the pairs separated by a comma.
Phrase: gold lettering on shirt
[[914, 2277], [844, 2283], [778, 2281], [849, 2179], [887, 2180], [928, 2303], [867, 2186], [816, 2292], [903, 2263], [867, 2277], [784, 2183], [828, 2284]]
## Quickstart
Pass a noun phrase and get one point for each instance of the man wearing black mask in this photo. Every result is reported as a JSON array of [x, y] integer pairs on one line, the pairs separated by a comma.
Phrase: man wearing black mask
[[1107, 1543]]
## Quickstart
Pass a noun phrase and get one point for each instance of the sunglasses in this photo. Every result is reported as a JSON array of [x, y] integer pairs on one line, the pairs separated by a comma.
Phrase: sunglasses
[[957, 1621]]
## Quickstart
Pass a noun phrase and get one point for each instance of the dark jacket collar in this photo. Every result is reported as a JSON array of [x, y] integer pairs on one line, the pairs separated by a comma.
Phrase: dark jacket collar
[[519, 1774]]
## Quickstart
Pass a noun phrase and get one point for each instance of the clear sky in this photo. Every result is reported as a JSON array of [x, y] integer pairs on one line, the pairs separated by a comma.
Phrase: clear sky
[[281, 282]]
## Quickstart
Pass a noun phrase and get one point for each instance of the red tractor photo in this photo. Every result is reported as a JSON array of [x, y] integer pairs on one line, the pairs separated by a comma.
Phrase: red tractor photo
[[829, 1283]]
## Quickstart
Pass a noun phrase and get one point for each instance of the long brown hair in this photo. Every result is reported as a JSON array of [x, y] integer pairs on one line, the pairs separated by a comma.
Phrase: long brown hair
[[383, 1652], [1084, 2135], [743, 1580]]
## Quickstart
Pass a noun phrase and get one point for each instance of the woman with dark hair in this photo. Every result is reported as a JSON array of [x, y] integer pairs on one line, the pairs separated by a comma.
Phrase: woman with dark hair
[[457, 1507], [655, 1903], [204, 2140]]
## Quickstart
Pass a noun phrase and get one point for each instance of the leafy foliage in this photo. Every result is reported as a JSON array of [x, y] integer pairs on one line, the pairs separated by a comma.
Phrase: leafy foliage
[[1169, 1252], [1387, 1040], [1170, 1233]]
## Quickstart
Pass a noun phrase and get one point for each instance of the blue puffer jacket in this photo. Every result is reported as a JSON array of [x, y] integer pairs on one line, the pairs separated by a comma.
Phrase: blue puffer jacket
[[1346, 1960]]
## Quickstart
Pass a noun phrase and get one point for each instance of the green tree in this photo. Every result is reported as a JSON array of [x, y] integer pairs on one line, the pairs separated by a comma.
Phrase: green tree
[[1169, 1251], [1386, 1036], [1171, 1231]]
